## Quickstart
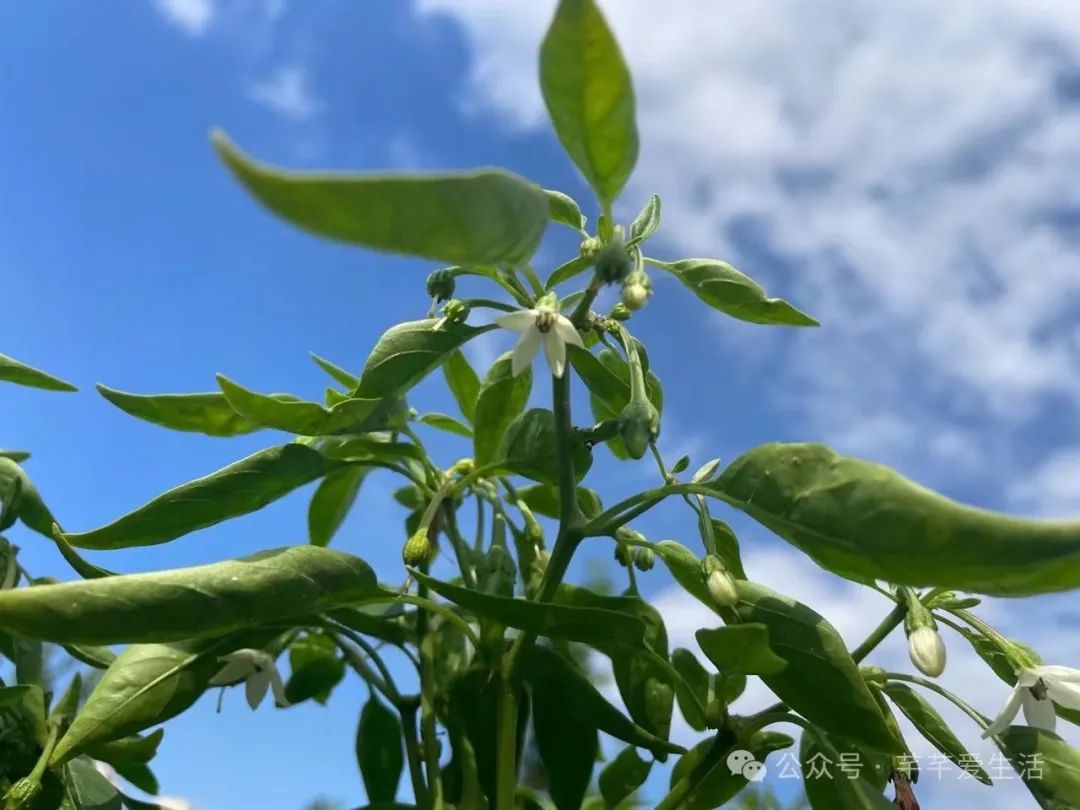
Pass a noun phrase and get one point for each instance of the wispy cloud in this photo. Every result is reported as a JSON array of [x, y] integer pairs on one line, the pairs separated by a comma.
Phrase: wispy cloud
[[192, 16], [287, 92]]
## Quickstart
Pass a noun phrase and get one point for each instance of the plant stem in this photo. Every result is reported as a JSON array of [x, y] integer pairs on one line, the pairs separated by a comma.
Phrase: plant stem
[[506, 777], [945, 693], [428, 736], [460, 547], [412, 749], [629, 508], [888, 624]]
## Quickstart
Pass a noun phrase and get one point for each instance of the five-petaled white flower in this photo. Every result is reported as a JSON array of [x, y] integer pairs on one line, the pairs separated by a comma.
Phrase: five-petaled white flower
[[543, 324], [257, 670], [1037, 690]]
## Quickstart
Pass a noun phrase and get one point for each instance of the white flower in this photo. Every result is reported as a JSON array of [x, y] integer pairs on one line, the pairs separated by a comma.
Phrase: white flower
[[927, 650], [546, 325], [258, 672], [1037, 690]]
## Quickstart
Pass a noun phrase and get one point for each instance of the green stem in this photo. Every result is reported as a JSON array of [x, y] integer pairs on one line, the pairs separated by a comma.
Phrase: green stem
[[55, 731], [626, 510], [412, 749], [490, 304], [460, 547], [533, 279], [506, 776], [945, 693], [888, 624], [431, 605], [428, 736]]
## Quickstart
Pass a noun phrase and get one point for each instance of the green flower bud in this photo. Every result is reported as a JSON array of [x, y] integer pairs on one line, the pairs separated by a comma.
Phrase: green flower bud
[[418, 550], [613, 263], [456, 311], [22, 794], [590, 248], [440, 284], [644, 559], [623, 553], [620, 312], [639, 424]]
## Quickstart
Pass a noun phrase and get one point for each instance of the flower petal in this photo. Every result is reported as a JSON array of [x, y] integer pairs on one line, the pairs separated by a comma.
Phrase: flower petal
[[278, 687], [232, 672], [1008, 712], [564, 328], [1057, 673], [519, 321], [1064, 694], [1039, 713], [1027, 677], [525, 351], [555, 350], [256, 686]]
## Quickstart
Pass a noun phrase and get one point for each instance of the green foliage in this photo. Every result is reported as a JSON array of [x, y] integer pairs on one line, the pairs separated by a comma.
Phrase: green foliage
[[11, 370]]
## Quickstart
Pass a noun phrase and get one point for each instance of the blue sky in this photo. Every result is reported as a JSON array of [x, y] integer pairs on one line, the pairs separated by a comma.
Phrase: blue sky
[[908, 174]]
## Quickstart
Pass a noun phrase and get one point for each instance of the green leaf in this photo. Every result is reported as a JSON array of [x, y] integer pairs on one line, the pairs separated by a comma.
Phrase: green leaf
[[208, 413], [500, 400], [589, 625], [723, 287], [828, 787], [740, 648], [462, 382], [1049, 766], [351, 415], [646, 223], [84, 568], [567, 743], [245, 486], [11, 370], [622, 776], [562, 208], [64, 708], [488, 216], [92, 656], [727, 548], [543, 499], [698, 682], [580, 698], [529, 449], [376, 621], [408, 352], [379, 750], [20, 498], [133, 750], [316, 668], [565, 272], [934, 728], [146, 685], [719, 783], [447, 423], [141, 777], [341, 376], [865, 521], [821, 681], [589, 96], [86, 789], [331, 503], [17, 456], [183, 603], [370, 448]]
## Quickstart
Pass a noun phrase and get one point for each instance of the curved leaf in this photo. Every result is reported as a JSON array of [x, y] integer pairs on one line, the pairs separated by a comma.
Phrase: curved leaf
[[622, 776], [189, 602], [379, 750], [865, 521], [341, 376], [829, 787], [245, 486], [567, 743], [740, 648], [11, 370], [529, 449], [562, 208], [208, 413], [500, 400], [445, 422], [1049, 766], [350, 415], [331, 503], [646, 223], [462, 382], [589, 96], [720, 784], [488, 216], [315, 669]]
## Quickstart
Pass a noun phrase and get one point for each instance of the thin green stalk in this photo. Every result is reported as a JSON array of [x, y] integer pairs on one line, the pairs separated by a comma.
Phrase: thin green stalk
[[533, 279], [481, 514], [412, 752], [945, 693], [488, 303], [506, 757], [460, 547], [879, 634], [428, 736], [629, 508]]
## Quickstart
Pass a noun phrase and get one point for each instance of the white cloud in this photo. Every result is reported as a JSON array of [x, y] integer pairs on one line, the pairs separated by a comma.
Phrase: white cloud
[[193, 16], [915, 165], [287, 92], [1053, 489]]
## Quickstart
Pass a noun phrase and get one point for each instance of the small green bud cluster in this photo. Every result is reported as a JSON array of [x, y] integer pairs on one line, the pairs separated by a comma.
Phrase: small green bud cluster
[[637, 287], [418, 550]]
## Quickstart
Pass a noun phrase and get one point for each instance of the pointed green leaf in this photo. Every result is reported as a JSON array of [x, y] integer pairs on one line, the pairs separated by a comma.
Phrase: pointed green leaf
[[444, 422], [11, 370], [133, 750], [463, 383], [408, 352], [565, 272], [865, 521], [719, 784], [562, 208], [567, 744], [379, 750], [331, 503], [529, 448], [86, 789], [500, 400], [727, 548], [245, 486], [17, 456], [588, 625], [19, 498], [934, 728], [589, 96], [580, 698], [93, 656], [341, 376], [351, 415], [821, 681], [740, 648], [315, 669], [1049, 766], [184, 603], [208, 413], [723, 287], [830, 788], [646, 223], [543, 499], [697, 680], [622, 776], [488, 216]]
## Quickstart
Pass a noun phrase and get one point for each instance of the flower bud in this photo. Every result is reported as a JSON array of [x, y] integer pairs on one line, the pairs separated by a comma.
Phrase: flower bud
[[440, 285], [927, 650], [644, 559], [634, 296], [620, 312], [23, 794], [639, 424], [456, 311], [590, 248], [722, 588], [623, 553], [613, 264], [418, 549]]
